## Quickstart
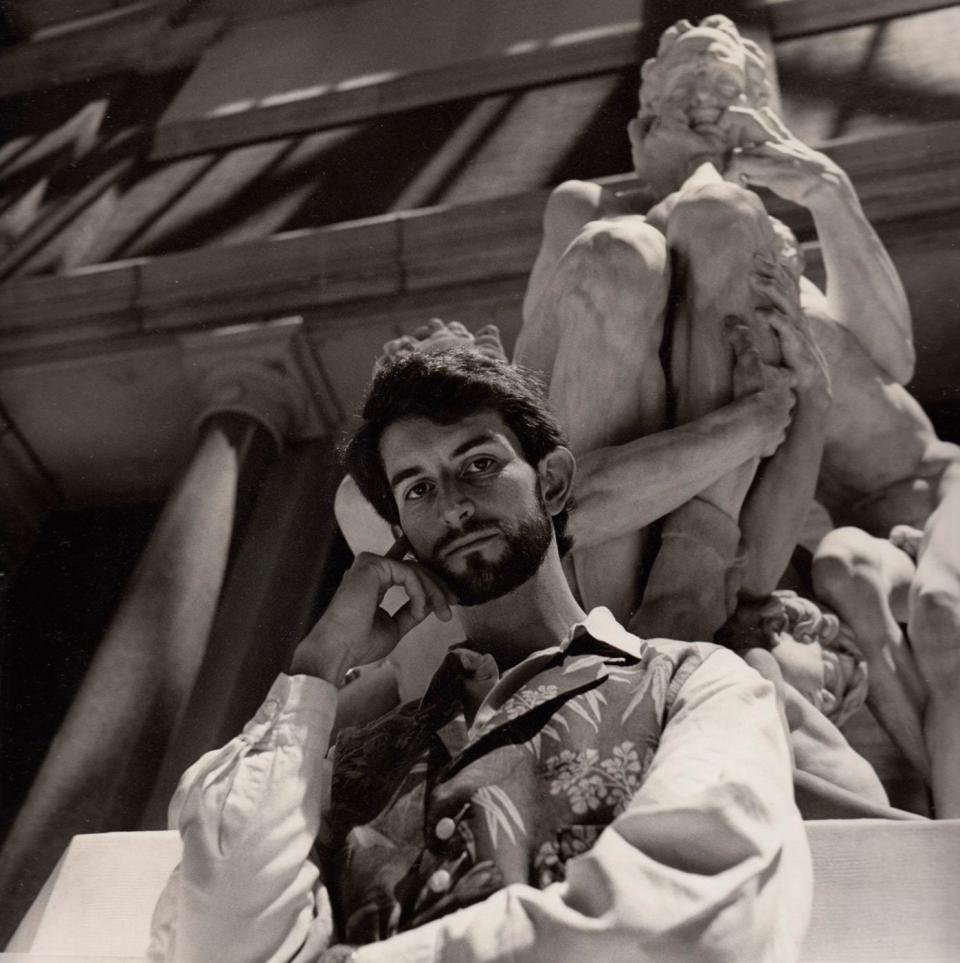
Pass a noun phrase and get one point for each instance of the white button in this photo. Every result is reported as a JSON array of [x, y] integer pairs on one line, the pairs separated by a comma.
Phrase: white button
[[439, 882], [445, 828]]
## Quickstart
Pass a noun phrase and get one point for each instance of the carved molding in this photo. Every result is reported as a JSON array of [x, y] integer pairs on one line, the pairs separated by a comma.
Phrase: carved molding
[[266, 371]]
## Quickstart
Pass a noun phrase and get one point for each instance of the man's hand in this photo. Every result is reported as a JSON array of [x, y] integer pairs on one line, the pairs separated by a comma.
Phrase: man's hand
[[436, 335], [769, 156], [777, 303], [772, 386], [355, 630]]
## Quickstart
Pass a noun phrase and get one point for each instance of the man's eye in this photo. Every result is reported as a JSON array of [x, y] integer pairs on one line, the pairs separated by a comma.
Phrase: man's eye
[[417, 491], [478, 466], [728, 88]]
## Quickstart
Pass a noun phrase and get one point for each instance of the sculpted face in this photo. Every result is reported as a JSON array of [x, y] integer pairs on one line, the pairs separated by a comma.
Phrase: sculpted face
[[702, 77], [698, 74], [469, 503]]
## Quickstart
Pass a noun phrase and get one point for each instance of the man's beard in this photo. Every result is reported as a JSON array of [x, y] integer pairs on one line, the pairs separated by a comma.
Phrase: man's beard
[[527, 544]]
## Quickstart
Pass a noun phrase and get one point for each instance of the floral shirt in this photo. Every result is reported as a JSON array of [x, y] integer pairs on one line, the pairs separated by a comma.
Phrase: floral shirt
[[630, 799]]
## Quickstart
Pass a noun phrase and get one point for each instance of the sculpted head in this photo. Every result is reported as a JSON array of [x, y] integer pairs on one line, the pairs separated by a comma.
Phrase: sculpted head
[[697, 74], [460, 453], [816, 654]]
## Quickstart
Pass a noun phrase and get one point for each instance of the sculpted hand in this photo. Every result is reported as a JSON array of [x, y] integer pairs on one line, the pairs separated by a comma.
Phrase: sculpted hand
[[355, 630], [769, 156], [772, 386], [437, 335], [777, 302]]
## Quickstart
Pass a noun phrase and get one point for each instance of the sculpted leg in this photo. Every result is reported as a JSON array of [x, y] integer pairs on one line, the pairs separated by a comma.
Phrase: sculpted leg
[[596, 334], [713, 233], [865, 581], [934, 629]]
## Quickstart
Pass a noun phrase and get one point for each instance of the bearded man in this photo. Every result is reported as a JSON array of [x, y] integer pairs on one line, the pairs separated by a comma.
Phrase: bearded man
[[563, 789]]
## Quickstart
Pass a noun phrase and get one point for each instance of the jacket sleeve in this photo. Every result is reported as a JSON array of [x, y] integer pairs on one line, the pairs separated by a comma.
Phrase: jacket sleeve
[[708, 862], [249, 813]]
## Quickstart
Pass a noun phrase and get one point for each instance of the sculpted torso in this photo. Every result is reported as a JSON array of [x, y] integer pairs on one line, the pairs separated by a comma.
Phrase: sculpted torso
[[882, 459]]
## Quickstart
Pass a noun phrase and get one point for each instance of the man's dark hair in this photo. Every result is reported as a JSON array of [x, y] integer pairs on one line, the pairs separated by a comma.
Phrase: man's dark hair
[[445, 387]]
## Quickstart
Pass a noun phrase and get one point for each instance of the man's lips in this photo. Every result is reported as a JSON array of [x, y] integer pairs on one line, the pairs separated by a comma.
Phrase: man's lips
[[468, 541]]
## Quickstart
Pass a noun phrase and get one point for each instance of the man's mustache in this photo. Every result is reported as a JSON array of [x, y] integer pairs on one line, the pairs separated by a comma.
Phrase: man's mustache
[[468, 528]]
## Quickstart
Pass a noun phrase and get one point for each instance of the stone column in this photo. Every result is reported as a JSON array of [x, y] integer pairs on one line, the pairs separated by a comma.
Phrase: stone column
[[99, 772], [268, 600], [268, 603]]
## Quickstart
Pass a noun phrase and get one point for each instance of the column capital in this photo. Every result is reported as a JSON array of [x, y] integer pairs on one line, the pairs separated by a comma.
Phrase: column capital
[[266, 371]]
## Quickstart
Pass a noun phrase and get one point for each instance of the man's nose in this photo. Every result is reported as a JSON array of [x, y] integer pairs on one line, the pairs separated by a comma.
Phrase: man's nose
[[455, 506]]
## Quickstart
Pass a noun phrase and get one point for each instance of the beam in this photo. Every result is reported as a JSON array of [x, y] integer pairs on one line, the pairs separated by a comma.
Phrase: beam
[[614, 49], [903, 179], [139, 38], [800, 18], [130, 42], [302, 111]]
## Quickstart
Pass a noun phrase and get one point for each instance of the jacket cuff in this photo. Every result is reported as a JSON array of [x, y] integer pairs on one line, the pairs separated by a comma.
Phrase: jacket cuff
[[413, 946], [298, 709]]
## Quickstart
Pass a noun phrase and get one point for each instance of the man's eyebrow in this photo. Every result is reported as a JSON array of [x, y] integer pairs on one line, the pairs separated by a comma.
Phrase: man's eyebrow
[[472, 442], [479, 439], [404, 474]]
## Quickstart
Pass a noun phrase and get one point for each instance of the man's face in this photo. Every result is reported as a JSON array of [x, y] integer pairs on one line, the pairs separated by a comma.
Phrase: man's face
[[469, 503]]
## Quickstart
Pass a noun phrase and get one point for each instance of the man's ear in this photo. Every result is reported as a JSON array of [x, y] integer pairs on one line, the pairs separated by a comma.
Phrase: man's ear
[[556, 472]]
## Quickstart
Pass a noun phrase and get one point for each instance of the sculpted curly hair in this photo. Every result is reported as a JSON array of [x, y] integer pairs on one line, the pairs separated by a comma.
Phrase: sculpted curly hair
[[445, 387]]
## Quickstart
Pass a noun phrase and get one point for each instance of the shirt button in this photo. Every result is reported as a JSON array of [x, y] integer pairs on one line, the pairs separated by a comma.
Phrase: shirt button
[[445, 829], [439, 882]]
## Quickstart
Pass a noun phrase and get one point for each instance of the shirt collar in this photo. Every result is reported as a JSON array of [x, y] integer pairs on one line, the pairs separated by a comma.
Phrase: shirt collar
[[599, 624], [602, 626]]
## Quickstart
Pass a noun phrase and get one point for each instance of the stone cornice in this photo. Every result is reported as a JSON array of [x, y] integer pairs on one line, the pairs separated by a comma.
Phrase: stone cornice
[[900, 177]]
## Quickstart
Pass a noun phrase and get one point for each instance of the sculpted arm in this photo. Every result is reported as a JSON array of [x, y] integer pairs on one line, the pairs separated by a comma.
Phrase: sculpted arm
[[780, 498], [626, 487], [863, 289]]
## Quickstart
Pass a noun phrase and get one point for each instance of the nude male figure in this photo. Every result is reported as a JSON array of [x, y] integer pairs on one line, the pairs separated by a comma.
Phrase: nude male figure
[[614, 275]]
